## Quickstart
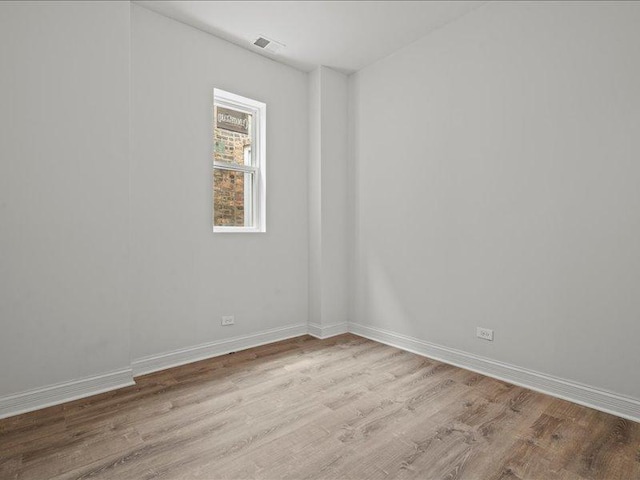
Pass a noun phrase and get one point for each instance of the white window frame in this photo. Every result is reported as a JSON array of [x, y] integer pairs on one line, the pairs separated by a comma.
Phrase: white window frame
[[255, 217]]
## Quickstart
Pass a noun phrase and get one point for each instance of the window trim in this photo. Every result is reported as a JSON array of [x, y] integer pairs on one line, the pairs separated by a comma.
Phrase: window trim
[[258, 207]]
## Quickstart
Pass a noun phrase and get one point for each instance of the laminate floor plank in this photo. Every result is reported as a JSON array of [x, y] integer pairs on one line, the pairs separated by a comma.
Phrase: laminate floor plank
[[340, 408]]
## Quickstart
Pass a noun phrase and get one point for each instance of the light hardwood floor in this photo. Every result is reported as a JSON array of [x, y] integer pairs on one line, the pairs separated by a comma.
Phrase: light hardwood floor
[[343, 408]]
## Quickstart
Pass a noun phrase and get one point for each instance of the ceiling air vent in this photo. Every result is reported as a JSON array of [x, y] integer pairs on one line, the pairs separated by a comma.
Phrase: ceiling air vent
[[267, 44]]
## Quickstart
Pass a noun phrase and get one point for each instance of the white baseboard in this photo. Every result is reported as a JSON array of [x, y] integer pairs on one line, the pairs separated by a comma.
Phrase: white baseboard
[[64, 392], [326, 331], [162, 361], [609, 402]]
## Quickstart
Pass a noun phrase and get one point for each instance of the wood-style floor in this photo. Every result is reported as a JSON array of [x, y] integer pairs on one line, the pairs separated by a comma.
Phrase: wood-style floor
[[343, 408]]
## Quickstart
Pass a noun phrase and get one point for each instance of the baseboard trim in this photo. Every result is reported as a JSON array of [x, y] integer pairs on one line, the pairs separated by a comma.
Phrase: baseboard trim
[[609, 402], [56, 394], [155, 363], [326, 331]]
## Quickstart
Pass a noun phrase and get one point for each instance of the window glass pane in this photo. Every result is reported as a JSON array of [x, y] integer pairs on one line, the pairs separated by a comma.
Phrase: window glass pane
[[232, 198], [232, 136]]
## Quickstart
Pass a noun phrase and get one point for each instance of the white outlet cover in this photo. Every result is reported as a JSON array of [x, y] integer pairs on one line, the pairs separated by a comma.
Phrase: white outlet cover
[[227, 320], [484, 333]]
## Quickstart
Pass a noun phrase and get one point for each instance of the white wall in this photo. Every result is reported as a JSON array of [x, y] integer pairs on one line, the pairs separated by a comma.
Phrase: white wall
[[496, 166], [64, 139], [315, 197], [335, 226], [328, 187], [184, 278]]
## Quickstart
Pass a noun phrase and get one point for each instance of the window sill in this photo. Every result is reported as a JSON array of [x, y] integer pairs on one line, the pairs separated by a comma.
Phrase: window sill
[[238, 230]]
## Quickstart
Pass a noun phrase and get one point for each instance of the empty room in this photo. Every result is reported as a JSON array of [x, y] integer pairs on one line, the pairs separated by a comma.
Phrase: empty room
[[320, 240]]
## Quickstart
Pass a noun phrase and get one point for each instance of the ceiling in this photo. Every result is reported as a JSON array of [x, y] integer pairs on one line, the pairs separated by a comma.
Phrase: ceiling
[[344, 35]]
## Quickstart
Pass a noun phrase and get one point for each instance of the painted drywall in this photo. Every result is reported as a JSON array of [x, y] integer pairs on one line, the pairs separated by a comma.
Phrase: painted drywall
[[64, 140], [328, 186], [184, 277], [496, 174], [315, 198], [335, 227]]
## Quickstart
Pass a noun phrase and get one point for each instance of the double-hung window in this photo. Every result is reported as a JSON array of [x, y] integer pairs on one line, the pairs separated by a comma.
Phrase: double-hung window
[[239, 186]]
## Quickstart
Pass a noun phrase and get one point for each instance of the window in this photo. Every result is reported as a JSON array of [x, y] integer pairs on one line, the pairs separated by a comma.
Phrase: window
[[239, 188]]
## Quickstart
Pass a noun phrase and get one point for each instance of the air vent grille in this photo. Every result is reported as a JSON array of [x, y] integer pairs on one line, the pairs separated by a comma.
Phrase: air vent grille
[[268, 44], [261, 42]]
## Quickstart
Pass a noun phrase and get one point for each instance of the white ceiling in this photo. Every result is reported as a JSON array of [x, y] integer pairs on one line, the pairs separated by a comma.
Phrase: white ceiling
[[345, 35]]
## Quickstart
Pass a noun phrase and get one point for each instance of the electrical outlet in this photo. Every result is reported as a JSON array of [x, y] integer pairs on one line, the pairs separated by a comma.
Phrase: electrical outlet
[[484, 333], [228, 320]]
